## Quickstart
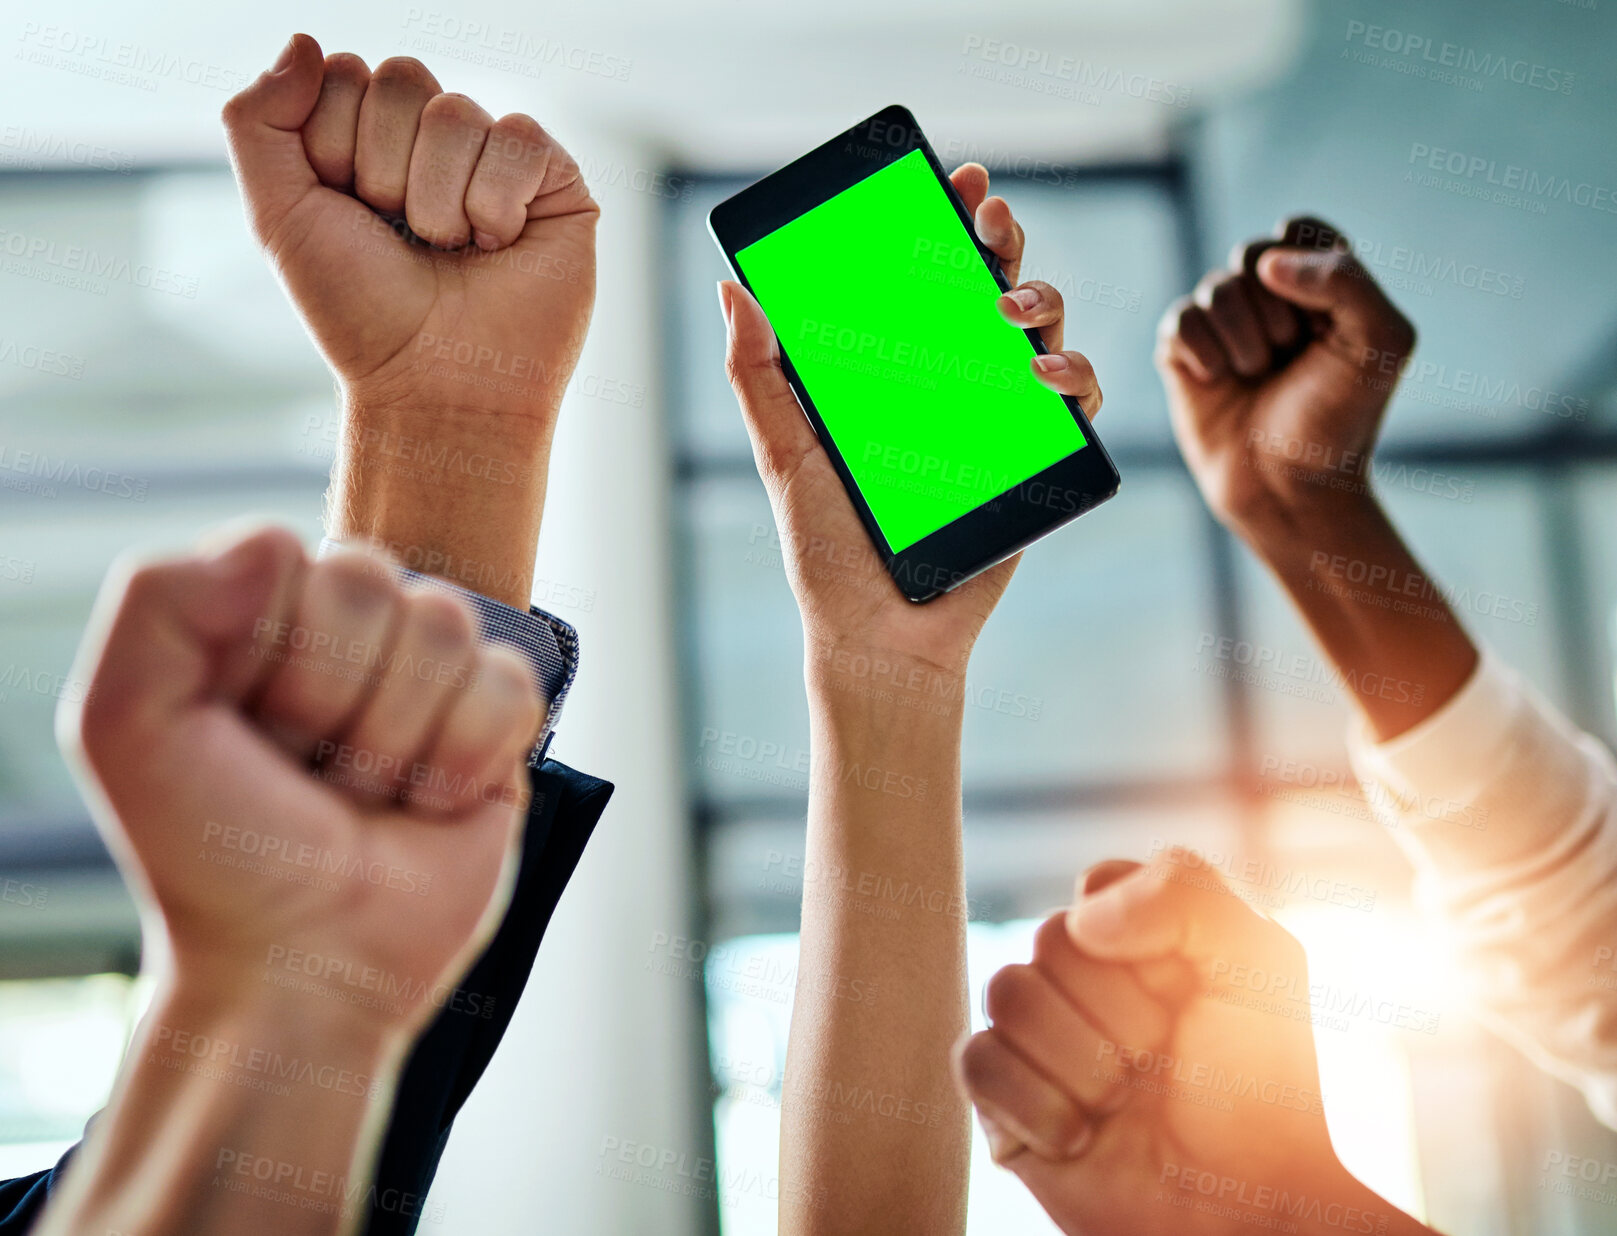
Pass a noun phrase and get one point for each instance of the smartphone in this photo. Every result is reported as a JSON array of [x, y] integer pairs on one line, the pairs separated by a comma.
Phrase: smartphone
[[954, 455]]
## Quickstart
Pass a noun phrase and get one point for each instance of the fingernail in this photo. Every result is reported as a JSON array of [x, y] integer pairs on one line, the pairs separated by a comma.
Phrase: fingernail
[[285, 58], [1051, 362], [724, 300], [1024, 298], [485, 242]]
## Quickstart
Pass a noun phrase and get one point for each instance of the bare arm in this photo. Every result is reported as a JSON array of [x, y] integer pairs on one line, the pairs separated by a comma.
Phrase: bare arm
[[1278, 371], [872, 1139], [444, 262], [870, 1125], [200, 1138], [303, 927]]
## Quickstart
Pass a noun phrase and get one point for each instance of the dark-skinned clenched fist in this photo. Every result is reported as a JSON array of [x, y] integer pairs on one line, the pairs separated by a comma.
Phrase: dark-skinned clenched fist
[[1278, 371]]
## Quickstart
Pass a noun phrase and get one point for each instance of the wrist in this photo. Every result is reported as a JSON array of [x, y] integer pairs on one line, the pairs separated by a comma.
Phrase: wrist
[[853, 687], [1287, 523], [451, 491], [241, 1030]]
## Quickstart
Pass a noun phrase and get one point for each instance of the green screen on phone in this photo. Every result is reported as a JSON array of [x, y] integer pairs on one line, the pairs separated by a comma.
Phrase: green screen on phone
[[885, 306]]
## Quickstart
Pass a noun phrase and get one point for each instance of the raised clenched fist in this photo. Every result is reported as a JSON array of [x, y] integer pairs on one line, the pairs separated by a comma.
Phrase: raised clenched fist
[[312, 776], [1278, 370], [443, 260]]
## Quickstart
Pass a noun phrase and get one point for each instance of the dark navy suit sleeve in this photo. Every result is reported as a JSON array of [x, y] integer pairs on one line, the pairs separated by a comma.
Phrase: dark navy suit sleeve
[[457, 1047], [22, 1200]]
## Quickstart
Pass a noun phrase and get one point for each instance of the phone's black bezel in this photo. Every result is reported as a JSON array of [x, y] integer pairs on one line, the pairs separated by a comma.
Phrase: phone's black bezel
[[1009, 521]]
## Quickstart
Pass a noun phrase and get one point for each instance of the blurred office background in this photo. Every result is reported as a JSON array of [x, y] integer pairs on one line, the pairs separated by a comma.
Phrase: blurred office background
[[1118, 702]]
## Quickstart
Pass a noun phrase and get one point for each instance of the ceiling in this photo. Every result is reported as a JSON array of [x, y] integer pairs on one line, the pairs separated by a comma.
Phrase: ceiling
[[704, 85]]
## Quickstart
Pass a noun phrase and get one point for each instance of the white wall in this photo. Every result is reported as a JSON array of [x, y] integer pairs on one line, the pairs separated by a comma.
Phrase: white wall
[[602, 1047]]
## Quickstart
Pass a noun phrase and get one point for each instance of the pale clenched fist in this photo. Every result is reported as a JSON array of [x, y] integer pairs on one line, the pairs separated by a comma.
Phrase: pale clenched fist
[[414, 230], [305, 769]]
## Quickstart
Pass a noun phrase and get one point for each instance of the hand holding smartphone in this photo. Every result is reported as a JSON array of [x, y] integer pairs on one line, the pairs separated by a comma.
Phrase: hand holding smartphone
[[884, 304]]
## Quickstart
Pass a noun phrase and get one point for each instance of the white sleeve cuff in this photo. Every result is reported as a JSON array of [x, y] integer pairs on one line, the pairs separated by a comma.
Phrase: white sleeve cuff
[[1452, 754]]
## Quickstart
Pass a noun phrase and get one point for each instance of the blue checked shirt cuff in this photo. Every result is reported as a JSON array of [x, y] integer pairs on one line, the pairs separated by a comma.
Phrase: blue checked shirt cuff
[[549, 645]]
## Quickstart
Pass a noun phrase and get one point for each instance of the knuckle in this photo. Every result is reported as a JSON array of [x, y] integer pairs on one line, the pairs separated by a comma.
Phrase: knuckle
[[347, 66], [1051, 937], [359, 583], [979, 1061], [1060, 1124], [1010, 993], [442, 620], [1224, 295], [1173, 319], [404, 73], [455, 110], [523, 128], [234, 113], [516, 700]]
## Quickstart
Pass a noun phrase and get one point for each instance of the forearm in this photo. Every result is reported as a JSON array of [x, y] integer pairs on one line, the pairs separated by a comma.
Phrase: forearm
[[453, 492], [1374, 611], [263, 1117], [874, 1136]]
